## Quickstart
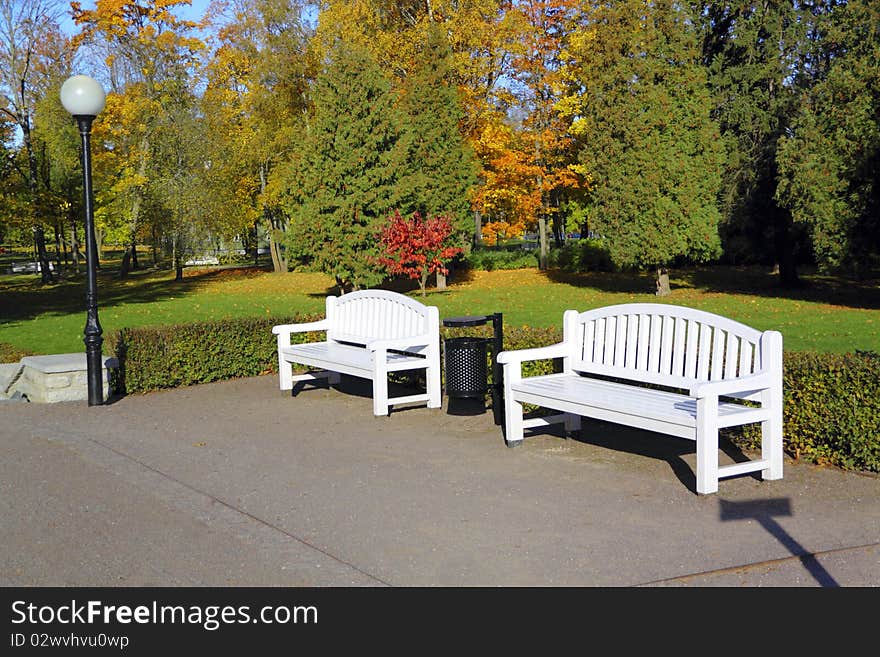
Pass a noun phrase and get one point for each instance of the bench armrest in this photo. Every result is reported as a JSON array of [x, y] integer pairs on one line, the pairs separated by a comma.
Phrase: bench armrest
[[321, 325], [558, 350], [739, 385]]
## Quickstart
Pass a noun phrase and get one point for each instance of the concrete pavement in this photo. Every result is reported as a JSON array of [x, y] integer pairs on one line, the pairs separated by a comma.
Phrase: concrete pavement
[[235, 483]]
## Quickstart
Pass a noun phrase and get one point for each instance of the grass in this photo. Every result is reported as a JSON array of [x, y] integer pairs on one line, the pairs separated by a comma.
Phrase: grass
[[826, 314]]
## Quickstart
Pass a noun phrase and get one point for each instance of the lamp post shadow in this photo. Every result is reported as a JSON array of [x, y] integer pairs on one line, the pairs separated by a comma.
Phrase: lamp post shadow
[[765, 512]]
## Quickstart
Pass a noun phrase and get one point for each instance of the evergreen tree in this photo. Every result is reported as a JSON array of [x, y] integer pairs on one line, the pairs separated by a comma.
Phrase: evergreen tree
[[349, 172], [642, 115], [751, 49], [830, 161], [442, 164]]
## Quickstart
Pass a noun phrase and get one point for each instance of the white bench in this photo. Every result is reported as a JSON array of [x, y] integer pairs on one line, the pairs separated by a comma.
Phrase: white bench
[[704, 362], [369, 333]]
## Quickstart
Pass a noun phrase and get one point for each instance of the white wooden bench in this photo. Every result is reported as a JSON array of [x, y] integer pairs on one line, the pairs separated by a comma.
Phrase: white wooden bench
[[369, 333], [705, 364]]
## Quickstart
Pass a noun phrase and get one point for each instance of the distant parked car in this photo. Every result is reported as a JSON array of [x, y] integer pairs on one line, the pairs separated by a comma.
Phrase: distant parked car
[[28, 267], [202, 260]]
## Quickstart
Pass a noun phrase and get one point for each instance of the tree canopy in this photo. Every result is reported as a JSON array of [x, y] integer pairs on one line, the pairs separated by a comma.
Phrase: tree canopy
[[672, 132]]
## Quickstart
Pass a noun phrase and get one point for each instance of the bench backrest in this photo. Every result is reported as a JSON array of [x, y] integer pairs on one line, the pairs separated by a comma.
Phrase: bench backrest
[[366, 315], [665, 344]]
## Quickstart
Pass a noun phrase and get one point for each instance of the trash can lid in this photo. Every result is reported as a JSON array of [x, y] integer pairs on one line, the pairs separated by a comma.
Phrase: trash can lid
[[467, 320]]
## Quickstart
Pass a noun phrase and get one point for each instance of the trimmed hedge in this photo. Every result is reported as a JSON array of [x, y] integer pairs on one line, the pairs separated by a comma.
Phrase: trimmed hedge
[[832, 401], [831, 413], [187, 354]]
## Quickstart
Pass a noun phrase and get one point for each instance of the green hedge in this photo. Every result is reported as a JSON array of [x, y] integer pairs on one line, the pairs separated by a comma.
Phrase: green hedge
[[187, 354], [831, 412], [492, 258]]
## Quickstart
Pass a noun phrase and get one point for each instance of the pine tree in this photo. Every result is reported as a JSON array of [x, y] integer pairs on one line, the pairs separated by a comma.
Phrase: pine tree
[[642, 115], [751, 50], [829, 161], [349, 172], [443, 166]]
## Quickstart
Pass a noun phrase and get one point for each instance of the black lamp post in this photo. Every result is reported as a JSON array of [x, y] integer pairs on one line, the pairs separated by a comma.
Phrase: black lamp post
[[84, 98]]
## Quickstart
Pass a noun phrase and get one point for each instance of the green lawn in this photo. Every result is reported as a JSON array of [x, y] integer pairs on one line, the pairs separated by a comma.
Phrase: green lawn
[[826, 314]]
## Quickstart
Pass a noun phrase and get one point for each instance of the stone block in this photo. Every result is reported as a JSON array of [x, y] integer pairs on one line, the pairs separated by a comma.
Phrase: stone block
[[60, 377]]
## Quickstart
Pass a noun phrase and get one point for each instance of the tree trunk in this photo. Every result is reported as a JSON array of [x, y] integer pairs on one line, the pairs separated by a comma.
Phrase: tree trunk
[[478, 228], [542, 242], [74, 244], [124, 269], [39, 235], [42, 255], [58, 247], [441, 282], [662, 282], [134, 255], [783, 248], [175, 258], [138, 198]]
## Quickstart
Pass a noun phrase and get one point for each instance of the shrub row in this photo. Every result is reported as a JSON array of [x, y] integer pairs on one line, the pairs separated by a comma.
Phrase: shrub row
[[831, 412], [491, 258], [187, 354]]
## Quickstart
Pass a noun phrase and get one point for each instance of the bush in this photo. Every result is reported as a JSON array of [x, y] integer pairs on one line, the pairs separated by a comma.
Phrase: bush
[[187, 354], [488, 259], [831, 413], [582, 255]]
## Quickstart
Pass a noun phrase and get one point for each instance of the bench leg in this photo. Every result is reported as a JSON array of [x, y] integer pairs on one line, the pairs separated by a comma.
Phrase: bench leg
[[285, 374], [771, 437], [380, 393], [572, 423], [432, 383], [707, 445], [513, 422]]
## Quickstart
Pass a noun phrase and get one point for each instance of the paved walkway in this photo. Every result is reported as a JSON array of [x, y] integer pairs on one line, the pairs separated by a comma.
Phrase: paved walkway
[[235, 483]]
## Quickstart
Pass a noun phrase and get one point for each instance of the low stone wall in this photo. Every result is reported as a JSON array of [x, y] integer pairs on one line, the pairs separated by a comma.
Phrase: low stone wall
[[59, 377]]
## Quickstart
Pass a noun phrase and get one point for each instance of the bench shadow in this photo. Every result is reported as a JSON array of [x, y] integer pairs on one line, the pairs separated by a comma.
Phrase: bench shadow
[[645, 443], [765, 513]]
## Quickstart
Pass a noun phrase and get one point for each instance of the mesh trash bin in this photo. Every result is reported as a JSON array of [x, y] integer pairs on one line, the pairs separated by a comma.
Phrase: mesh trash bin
[[466, 372], [466, 362]]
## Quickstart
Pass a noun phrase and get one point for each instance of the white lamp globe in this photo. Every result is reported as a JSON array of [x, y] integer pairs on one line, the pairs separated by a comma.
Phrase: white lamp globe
[[82, 96]]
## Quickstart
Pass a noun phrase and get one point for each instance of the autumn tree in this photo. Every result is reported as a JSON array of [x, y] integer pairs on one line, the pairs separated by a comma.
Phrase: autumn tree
[[255, 102], [641, 112], [348, 172], [508, 198], [536, 70], [149, 51], [179, 176], [26, 27], [418, 246]]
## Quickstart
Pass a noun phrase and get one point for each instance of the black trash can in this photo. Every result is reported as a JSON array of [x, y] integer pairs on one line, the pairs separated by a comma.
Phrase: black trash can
[[466, 372], [466, 361]]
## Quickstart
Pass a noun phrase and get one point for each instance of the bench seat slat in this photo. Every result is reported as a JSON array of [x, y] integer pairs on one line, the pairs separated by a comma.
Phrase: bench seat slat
[[330, 355], [639, 403]]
